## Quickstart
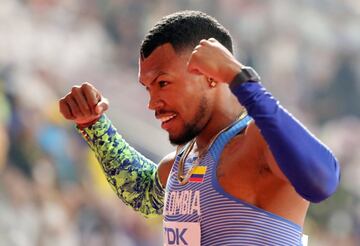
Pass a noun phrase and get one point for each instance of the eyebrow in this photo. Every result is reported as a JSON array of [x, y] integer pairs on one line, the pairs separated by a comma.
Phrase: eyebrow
[[156, 77]]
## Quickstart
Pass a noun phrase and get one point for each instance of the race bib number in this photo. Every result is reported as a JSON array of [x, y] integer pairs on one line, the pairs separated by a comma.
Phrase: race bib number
[[182, 233]]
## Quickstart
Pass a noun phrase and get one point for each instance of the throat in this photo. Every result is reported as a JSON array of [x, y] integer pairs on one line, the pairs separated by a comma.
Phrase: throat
[[211, 132]]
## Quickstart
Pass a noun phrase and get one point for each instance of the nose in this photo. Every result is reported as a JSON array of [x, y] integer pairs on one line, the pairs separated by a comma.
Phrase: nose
[[155, 103]]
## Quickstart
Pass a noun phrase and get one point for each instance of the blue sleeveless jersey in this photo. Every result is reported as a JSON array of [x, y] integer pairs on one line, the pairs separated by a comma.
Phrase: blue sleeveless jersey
[[202, 213]]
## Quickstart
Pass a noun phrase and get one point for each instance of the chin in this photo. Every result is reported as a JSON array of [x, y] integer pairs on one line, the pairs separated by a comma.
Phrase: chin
[[183, 138], [177, 141]]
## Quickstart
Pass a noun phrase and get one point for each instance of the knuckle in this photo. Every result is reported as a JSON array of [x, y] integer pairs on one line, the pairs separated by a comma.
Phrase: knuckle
[[63, 111], [195, 56], [61, 106], [66, 99], [75, 89], [86, 85]]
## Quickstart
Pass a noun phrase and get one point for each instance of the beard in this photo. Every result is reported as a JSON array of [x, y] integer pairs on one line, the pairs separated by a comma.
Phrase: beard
[[192, 128]]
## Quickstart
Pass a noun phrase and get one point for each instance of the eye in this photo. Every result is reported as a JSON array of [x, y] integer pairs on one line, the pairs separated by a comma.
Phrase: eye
[[163, 83]]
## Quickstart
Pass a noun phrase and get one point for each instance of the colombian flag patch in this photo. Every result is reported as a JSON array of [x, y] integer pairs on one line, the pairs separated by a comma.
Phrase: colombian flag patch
[[198, 174]]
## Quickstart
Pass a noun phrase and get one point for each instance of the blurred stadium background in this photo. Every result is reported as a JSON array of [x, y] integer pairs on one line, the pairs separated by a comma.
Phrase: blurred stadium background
[[52, 191]]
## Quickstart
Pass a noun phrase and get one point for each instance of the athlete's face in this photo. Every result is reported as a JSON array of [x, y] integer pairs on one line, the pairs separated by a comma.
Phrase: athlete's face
[[179, 98]]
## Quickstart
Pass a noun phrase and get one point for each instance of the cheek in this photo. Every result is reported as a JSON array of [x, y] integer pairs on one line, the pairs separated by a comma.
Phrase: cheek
[[192, 94], [186, 96]]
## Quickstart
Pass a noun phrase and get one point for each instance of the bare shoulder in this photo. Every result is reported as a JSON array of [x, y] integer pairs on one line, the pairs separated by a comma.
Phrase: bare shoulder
[[165, 166]]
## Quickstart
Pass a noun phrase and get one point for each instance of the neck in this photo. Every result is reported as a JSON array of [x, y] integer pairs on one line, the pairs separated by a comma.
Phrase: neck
[[219, 120]]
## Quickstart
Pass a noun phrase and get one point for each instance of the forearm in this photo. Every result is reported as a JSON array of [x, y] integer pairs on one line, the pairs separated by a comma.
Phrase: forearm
[[307, 163], [132, 176]]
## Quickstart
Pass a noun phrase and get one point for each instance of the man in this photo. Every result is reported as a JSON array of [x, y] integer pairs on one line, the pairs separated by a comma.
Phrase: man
[[244, 171]]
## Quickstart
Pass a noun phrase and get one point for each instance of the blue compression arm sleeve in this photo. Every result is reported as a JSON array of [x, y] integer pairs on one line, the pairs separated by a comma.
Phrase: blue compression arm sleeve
[[307, 163]]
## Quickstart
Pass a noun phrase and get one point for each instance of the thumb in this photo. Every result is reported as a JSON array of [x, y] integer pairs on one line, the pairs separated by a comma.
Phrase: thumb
[[102, 106]]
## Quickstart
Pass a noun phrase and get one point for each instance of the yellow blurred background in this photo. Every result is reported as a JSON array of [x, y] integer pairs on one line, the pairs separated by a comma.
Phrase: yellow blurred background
[[52, 191]]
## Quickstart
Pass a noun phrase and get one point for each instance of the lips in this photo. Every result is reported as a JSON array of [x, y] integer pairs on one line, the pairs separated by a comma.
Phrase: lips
[[166, 119]]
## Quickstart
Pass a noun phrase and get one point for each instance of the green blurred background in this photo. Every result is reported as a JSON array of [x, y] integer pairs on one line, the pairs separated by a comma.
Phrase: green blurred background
[[52, 191]]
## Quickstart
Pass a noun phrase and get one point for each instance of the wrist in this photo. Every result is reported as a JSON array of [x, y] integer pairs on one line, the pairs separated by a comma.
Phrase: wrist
[[95, 130], [246, 74], [87, 124], [233, 70]]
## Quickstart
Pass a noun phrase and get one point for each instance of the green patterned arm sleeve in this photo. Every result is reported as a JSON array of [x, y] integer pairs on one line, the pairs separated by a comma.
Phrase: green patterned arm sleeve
[[133, 177]]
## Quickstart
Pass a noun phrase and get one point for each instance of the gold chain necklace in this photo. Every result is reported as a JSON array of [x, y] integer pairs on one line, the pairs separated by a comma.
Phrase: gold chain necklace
[[184, 179]]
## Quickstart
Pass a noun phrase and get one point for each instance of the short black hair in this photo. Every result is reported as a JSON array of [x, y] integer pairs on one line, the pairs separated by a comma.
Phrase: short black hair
[[184, 30]]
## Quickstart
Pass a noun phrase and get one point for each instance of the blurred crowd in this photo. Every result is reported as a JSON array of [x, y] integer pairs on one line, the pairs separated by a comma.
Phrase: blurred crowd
[[52, 191]]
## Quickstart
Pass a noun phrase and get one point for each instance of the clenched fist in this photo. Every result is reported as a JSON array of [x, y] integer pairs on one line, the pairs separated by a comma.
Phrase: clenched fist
[[84, 104], [213, 60]]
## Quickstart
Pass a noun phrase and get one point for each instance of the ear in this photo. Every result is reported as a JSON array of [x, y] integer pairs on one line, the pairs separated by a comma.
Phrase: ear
[[212, 82]]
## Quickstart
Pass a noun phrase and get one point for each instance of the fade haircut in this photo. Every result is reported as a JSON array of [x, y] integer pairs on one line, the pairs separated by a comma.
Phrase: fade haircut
[[184, 30]]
